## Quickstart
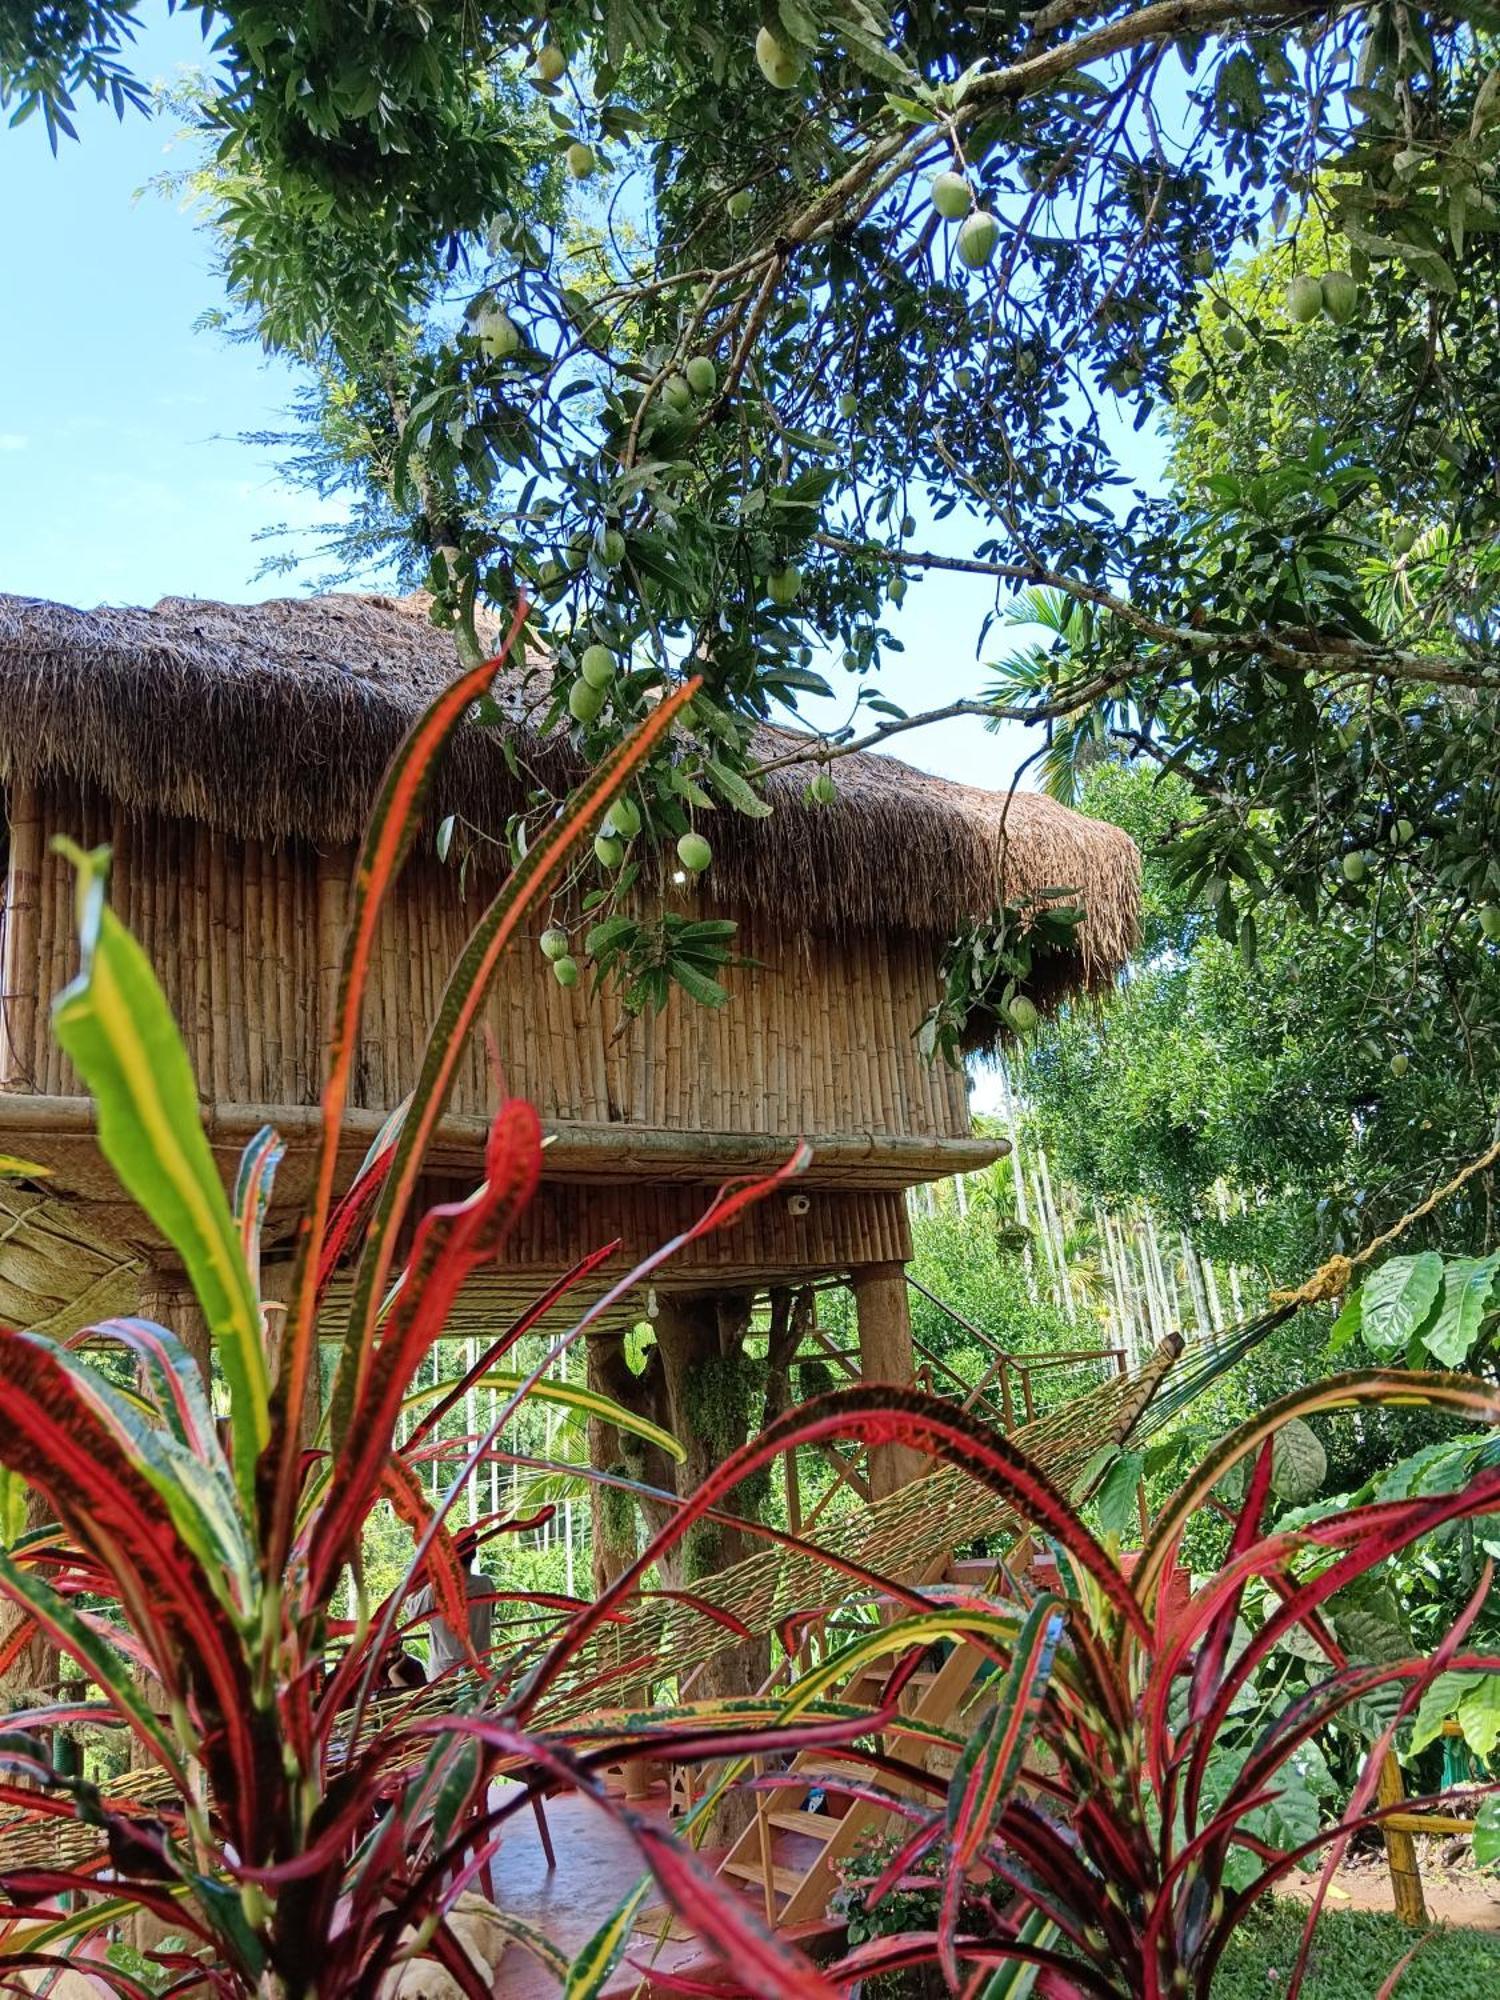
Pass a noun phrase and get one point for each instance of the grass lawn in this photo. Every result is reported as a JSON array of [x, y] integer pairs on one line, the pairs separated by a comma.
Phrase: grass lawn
[[1353, 1953]]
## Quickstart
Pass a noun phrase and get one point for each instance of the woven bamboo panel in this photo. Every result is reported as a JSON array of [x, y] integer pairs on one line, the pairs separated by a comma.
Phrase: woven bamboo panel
[[763, 1243], [818, 1036]]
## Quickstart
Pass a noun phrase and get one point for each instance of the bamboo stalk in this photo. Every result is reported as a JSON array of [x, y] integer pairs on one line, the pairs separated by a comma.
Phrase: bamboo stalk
[[20, 1058], [334, 869], [1400, 1848], [57, 918]]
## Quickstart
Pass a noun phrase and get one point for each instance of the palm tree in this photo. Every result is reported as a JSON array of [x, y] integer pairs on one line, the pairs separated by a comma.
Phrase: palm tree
[[1032, 671]]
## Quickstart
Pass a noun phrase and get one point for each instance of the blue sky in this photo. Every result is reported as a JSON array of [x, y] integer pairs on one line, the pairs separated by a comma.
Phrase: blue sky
[[121, 476]]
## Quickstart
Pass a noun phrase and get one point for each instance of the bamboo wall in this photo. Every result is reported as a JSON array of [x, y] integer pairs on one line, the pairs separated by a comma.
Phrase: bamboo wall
[[767, 1243], [818, 1038]]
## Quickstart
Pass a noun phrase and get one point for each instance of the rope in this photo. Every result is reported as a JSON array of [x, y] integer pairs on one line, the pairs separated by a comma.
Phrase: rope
[[1332, 1280]]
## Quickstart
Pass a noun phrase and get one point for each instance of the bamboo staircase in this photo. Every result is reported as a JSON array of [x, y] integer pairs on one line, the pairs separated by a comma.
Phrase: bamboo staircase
[[792, 1852]]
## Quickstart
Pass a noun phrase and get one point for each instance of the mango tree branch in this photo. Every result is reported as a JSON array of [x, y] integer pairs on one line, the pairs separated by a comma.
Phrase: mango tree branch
[[1289, 646]]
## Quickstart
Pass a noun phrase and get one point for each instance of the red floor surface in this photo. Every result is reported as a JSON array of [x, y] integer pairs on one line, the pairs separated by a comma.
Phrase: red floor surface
[[597, 1866]]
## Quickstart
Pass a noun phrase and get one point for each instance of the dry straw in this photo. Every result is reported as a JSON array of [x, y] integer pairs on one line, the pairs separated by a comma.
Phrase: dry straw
[[275, 720]]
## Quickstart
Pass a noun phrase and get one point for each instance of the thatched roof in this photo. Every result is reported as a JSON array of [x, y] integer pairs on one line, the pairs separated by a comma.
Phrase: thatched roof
[[276, 719]]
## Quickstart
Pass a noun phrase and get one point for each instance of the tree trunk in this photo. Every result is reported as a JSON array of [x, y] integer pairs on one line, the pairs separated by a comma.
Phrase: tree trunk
[[32, 1677], [886, 1355], [612, 1514]]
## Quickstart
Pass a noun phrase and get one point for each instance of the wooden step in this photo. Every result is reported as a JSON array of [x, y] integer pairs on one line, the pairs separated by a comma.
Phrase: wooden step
[[783, 1880], [883, 1673], [817, 1826]]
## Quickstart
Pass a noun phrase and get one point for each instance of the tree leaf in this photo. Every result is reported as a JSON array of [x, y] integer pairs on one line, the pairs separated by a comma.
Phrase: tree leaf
[[733, 789], [1299, 1464], [1346, 1327], [1397, 1298], [1115, 1501], [1467, 1285], [1365, 1635], [1437, 1706], [1479, 1715]]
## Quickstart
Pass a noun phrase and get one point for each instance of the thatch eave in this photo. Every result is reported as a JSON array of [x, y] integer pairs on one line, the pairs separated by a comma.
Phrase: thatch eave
[[276, 720]]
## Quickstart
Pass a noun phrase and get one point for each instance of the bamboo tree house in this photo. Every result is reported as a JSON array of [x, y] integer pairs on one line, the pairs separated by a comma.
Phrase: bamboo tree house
[[228, 755]]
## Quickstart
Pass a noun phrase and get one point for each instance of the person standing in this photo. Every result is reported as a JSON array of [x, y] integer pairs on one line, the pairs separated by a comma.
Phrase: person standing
[[444, 1648]]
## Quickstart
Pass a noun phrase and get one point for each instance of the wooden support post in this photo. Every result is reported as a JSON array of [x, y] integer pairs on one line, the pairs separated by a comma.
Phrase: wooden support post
[[168, 1299], [1400, 1848], [885, 1355], [275, 1293]]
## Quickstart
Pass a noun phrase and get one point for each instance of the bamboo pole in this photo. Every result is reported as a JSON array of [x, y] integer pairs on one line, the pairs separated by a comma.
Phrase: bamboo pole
[[57, 934], [1195, 1283], [19, 961], [1123, 1331], [1400, 1848], [333, 876]]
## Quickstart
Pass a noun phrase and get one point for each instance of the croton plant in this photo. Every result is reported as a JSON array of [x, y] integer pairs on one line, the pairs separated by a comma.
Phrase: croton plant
[[293, 1828]]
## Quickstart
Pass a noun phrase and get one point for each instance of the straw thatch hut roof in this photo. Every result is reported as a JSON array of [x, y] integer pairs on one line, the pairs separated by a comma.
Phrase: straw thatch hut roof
[[276, 719]]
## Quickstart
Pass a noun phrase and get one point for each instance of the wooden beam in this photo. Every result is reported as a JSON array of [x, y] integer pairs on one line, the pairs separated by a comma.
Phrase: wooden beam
[[575, 1150]]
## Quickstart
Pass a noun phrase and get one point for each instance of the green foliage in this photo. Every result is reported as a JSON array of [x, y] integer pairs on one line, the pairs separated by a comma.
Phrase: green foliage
[[987, 970], [1077, 743], [649, 957], [1253, 1101], [1354, 1953], [971, 1264], [736, 359], [914, 1906], [1430, 1308]]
